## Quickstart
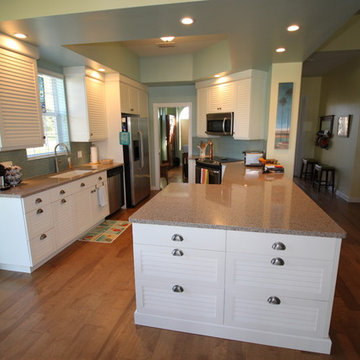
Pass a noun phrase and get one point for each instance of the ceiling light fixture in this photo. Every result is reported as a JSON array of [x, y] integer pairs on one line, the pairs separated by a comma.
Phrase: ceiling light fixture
[[187, 20], [20, 36], [293, 27], [280, 50], [102, 70], [167, 38], [217, 75]]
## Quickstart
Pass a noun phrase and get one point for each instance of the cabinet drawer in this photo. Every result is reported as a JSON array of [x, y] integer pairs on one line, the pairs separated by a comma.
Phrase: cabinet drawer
[[62, 191], [254, 310], [185, 237], [178, 300], [201, 267], [37, 200], [42, 245], [310, 247], [39, 220], [305, 278]]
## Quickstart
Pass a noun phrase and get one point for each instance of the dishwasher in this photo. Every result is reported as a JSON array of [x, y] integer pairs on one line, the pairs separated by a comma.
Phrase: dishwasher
[[115, 188]]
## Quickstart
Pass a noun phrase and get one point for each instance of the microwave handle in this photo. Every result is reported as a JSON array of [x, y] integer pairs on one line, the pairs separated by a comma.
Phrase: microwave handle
[[223, 126]]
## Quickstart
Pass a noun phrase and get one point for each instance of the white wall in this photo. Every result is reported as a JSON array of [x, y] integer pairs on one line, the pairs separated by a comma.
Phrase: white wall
[[285, 72]]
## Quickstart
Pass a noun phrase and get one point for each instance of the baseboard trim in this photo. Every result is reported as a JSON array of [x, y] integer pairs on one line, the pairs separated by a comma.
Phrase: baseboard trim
[[347, 198], [319, 345]]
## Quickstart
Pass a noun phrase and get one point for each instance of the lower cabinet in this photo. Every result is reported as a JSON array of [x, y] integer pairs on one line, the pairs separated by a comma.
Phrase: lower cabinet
[[271, 289]]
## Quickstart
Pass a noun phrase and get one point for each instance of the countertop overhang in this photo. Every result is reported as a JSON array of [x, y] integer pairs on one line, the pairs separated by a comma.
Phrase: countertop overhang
[[247, 200]]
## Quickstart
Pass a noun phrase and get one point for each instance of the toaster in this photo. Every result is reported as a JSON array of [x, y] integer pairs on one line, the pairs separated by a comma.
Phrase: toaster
[[251, 158]]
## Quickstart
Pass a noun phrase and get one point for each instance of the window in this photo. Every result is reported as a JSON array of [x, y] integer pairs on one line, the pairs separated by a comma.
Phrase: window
[[53, 104]]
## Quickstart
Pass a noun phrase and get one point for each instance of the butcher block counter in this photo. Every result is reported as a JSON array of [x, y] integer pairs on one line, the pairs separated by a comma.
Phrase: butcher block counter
[[253, 259]]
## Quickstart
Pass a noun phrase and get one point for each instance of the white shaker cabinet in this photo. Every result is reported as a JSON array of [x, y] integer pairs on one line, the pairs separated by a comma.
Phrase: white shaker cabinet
[[221, 98], [133, 97], [20, 112], [85, 95]]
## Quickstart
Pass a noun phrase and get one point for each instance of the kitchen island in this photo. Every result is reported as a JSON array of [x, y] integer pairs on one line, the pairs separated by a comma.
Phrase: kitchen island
[[253, 259]]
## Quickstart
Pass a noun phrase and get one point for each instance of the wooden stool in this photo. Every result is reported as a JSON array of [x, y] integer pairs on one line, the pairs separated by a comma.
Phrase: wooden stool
[[307, 168], [164, 167], [319, 171]]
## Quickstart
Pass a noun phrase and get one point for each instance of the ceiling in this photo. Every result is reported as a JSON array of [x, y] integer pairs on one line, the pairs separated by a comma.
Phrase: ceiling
[[253, 28]]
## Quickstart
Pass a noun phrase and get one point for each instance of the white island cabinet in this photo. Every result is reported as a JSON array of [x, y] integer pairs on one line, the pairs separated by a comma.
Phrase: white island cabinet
[[37, 227]]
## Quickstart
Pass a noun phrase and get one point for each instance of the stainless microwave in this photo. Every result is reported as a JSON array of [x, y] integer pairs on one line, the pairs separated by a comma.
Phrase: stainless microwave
[[220, 124]]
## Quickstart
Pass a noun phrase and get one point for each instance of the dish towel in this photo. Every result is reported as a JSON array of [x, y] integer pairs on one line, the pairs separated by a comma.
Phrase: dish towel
[[204, 176], [102, 198]]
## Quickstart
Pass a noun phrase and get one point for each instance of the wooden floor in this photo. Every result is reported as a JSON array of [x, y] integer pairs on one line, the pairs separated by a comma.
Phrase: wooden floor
[[80, 305]]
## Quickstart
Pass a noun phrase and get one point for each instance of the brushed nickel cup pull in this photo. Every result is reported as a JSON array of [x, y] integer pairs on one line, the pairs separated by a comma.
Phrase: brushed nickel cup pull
[[279, 246], [177, 237], [274, 300], [82, 184], [38, 201], [39, 211], [62, 192], [100, 178], [63, 201], [177, 289], [278, 261], [43, 236], [177, 252]]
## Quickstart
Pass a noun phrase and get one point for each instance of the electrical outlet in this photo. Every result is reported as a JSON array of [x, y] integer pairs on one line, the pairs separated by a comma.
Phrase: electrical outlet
[[6, 163], [79, 154]]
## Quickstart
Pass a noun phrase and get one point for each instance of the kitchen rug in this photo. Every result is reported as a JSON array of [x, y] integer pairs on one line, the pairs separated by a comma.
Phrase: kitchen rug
[[106, 232]]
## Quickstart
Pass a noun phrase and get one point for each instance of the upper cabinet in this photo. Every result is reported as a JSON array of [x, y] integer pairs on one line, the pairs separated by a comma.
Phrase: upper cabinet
[[20, 112], [85, 95], [243, 94], [134, 97]]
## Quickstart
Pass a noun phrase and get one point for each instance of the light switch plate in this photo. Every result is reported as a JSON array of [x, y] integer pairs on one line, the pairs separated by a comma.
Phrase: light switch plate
[[79, 154]]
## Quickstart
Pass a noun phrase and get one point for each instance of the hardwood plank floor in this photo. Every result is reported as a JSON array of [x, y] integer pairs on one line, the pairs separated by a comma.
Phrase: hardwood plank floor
[[80, 305]]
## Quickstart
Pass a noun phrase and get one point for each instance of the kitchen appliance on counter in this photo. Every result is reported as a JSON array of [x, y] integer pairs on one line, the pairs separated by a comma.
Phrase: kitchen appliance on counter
[[136, 158], [115, 188], [3, 185], [220, 124], [208, 171], [251, 158]]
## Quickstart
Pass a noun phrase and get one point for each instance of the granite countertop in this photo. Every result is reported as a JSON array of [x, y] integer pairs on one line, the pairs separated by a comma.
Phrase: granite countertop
[[37, 184], [247, 200]]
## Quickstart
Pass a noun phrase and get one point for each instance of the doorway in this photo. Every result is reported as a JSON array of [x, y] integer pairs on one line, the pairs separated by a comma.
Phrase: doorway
[[172, 142]]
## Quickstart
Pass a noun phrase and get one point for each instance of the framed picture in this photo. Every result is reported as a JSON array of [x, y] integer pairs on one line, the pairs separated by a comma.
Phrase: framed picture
[[326, 124], [343, 126]]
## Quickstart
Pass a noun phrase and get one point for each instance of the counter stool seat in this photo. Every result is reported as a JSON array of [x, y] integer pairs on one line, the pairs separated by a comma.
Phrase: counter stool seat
[[318, 178], [307, 168]]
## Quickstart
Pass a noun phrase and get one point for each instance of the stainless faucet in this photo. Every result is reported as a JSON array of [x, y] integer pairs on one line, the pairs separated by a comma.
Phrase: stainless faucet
[[67, 154]]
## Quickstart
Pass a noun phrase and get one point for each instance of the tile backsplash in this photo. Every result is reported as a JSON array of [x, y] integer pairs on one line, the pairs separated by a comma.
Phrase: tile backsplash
[[36, 167]]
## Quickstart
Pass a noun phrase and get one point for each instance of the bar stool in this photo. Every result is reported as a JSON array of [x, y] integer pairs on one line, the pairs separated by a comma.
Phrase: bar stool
[[319, 171], [307, 168], [164, 167]]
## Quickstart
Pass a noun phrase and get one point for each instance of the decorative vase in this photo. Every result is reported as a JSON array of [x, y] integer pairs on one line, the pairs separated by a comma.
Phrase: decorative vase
[[13, 175]]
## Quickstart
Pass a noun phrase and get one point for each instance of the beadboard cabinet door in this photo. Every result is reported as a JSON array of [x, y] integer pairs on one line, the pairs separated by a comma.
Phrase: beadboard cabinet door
[[20, 113]]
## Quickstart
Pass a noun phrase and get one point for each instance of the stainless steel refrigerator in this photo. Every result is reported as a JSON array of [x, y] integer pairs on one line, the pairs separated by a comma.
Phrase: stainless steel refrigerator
[[136, 159]]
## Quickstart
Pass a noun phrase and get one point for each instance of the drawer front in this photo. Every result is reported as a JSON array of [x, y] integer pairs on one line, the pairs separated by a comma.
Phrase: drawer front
[[42, 245], [200, 267], [85, 182], [39, 220], [261, 311], [304, 278], [309, 247], [62, 191], [37, 200], [179, 236], [179, 300]]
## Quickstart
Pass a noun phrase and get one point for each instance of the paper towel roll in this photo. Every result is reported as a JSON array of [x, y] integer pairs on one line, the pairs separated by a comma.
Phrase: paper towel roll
[[93, 154]]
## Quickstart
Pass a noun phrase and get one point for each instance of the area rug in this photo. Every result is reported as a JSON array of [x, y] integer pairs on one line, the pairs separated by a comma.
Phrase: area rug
[[106, 232]]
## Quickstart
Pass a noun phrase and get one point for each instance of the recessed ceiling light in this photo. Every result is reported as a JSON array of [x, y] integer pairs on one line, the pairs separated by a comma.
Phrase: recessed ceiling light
[[187, 20], [20, 35], [217, 75], [102, 70], [167, 38], [280, 49], [293, 27]]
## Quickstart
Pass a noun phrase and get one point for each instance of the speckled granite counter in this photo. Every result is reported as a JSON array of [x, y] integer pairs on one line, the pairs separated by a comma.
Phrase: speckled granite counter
[[247, 200], [37, 184]]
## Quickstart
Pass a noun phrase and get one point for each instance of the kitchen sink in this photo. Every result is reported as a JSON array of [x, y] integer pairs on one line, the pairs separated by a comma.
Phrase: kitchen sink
[[70, 174]]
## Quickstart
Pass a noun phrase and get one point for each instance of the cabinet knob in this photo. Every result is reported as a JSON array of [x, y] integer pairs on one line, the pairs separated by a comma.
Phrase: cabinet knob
[[82, 184], [274, 300], [177, 252], [38, 201], [99, 178], [278, 261], [279, 246], [39, 211], [62, 192], [63, 201], [177, 289], [43, 236], [177, 237]]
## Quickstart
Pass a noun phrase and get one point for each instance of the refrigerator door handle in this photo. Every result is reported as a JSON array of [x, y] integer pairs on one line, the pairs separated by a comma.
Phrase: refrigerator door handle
[[141, 150]]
